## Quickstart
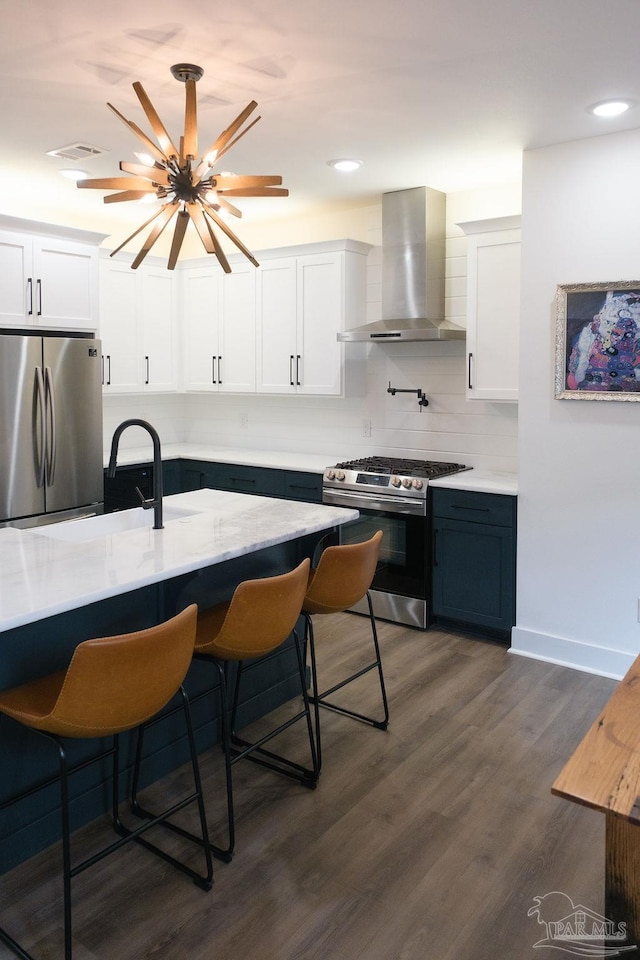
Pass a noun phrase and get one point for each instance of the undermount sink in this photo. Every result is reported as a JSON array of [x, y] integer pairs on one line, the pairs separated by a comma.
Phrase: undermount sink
[[96, 528]]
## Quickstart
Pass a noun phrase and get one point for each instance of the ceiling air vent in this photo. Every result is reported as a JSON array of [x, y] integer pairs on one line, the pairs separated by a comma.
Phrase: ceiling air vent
[[76, 151]]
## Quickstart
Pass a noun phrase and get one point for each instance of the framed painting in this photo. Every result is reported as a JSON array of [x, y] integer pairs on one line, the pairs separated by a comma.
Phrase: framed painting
[[598, 341]]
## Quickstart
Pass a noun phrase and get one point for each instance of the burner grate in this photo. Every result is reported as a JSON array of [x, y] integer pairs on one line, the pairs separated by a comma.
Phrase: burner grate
[[402, 467]]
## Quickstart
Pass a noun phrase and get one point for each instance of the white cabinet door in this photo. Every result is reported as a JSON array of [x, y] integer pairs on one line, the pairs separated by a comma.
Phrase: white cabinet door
[[158, 322], [277, 345], [66, 283], [320, 316], [493, 308], [119, 328], [16, 279], [237, 342], [48, 281], [199, 299]]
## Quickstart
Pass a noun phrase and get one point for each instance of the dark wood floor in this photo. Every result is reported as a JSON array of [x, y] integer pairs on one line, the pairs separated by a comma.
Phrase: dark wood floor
[[425, 842]]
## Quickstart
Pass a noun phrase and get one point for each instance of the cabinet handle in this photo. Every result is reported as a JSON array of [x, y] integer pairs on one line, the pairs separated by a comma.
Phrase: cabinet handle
[[469, 384], [458, 506], [434, 559], [108, 369], [39, 289], [147, 362], [219, 369], [298, 370], [213, 369], [30, 288], [103, 369], [291, 371], [238, 481]]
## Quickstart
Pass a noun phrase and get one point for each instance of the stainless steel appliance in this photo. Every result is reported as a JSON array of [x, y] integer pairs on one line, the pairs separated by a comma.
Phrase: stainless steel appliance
[[391, 495], [51, 464]]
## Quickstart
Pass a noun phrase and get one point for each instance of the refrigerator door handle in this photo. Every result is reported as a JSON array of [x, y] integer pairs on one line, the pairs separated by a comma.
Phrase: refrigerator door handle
[[38, 427], [50, 408]]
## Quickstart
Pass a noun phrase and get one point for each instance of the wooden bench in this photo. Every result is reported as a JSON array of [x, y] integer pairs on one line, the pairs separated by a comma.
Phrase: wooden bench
[[604, 773]]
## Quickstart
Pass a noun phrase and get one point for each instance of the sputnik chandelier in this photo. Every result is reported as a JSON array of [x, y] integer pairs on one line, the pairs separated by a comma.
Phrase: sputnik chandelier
[[188, 185]]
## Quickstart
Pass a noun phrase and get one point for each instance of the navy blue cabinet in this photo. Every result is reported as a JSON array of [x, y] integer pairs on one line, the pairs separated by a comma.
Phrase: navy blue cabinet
[[474, 559], [262, 481]]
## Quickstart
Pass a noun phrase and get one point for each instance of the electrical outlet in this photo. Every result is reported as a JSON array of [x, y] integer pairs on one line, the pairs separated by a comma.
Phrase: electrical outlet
[[366, 428], [244, 420]]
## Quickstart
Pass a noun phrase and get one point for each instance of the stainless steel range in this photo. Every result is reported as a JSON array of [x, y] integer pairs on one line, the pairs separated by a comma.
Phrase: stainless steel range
[[391, 495]]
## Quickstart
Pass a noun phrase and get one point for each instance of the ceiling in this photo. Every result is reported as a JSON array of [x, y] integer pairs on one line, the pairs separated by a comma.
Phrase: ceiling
[[446, 93]]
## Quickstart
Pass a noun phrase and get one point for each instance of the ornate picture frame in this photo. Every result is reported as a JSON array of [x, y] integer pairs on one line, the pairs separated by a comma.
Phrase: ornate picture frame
[[598, 341]]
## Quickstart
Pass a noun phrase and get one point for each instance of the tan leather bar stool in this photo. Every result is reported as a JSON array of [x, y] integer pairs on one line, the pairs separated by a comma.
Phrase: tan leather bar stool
[[260, 616], [341, 579], [112, 685]]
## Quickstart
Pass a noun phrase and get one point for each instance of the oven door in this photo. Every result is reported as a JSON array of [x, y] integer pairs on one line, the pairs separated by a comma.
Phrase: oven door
[[399, 591]]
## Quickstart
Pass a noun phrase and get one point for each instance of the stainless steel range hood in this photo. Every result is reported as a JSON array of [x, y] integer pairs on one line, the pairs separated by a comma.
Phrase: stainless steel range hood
[[413, 263]]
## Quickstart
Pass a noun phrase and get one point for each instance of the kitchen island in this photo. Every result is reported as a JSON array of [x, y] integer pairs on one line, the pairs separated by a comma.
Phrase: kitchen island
[[64, 583]]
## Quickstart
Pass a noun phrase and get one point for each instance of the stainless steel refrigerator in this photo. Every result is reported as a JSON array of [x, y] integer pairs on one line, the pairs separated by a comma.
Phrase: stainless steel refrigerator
[[51, 465]]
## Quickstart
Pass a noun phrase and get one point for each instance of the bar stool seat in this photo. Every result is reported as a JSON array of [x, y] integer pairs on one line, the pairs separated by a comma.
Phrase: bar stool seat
[[112, 685], [340, 580], [260, 616]]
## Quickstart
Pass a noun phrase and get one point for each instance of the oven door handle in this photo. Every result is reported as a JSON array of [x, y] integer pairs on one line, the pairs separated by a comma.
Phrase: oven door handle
[[344, 498]]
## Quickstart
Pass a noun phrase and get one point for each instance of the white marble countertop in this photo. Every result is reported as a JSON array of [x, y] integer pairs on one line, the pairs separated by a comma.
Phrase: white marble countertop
[[480, 481], [275, 459], [42, 575]]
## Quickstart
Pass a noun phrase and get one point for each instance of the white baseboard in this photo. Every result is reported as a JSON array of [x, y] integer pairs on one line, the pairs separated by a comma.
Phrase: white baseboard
[[570, 653]]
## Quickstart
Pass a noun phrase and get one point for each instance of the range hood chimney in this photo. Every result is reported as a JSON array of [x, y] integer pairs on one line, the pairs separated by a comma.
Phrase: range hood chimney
[[413, 263]]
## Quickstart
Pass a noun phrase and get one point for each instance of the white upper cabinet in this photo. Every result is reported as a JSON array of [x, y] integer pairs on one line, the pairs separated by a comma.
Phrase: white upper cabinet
[[138, 328], [218, 328], [48, 280], [272, 329], [304, 299], [493, 308]]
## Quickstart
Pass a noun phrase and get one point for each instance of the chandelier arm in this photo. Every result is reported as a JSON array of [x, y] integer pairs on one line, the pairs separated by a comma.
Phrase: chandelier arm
[[225, 229], [117, 183], [197, 218], [225, 136], [257, 192], [166, 143], [229, 207], [233, 181], [155, 174], [190, 147], [135, 233], [149, 144], [178, 236], [168, 211], [126, 195], [228, 147], [204, 167], [219, 252]]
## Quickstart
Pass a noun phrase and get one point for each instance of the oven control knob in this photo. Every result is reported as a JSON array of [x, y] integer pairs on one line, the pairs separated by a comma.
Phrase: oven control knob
[[331, 474], [340, 475], [406, 483], [417, 484], [396, 481]]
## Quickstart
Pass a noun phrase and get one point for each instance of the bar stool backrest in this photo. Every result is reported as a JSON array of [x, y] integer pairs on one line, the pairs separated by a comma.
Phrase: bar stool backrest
[[343, 576], [261, 615], [116, 683]]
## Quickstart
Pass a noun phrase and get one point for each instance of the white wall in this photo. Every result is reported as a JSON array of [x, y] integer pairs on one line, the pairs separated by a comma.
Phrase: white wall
[[579, 461], [450, 428]]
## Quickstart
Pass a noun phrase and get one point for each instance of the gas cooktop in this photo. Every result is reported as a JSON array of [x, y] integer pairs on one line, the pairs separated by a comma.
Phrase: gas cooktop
[[396, 466]]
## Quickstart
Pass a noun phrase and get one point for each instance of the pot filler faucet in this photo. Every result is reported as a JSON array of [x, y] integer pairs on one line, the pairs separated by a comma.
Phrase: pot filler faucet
[[156, 502]]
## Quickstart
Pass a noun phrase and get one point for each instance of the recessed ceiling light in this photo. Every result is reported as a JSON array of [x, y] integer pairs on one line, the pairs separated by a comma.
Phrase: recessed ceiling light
[[74, 174], [610, 108], [345, 165]]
